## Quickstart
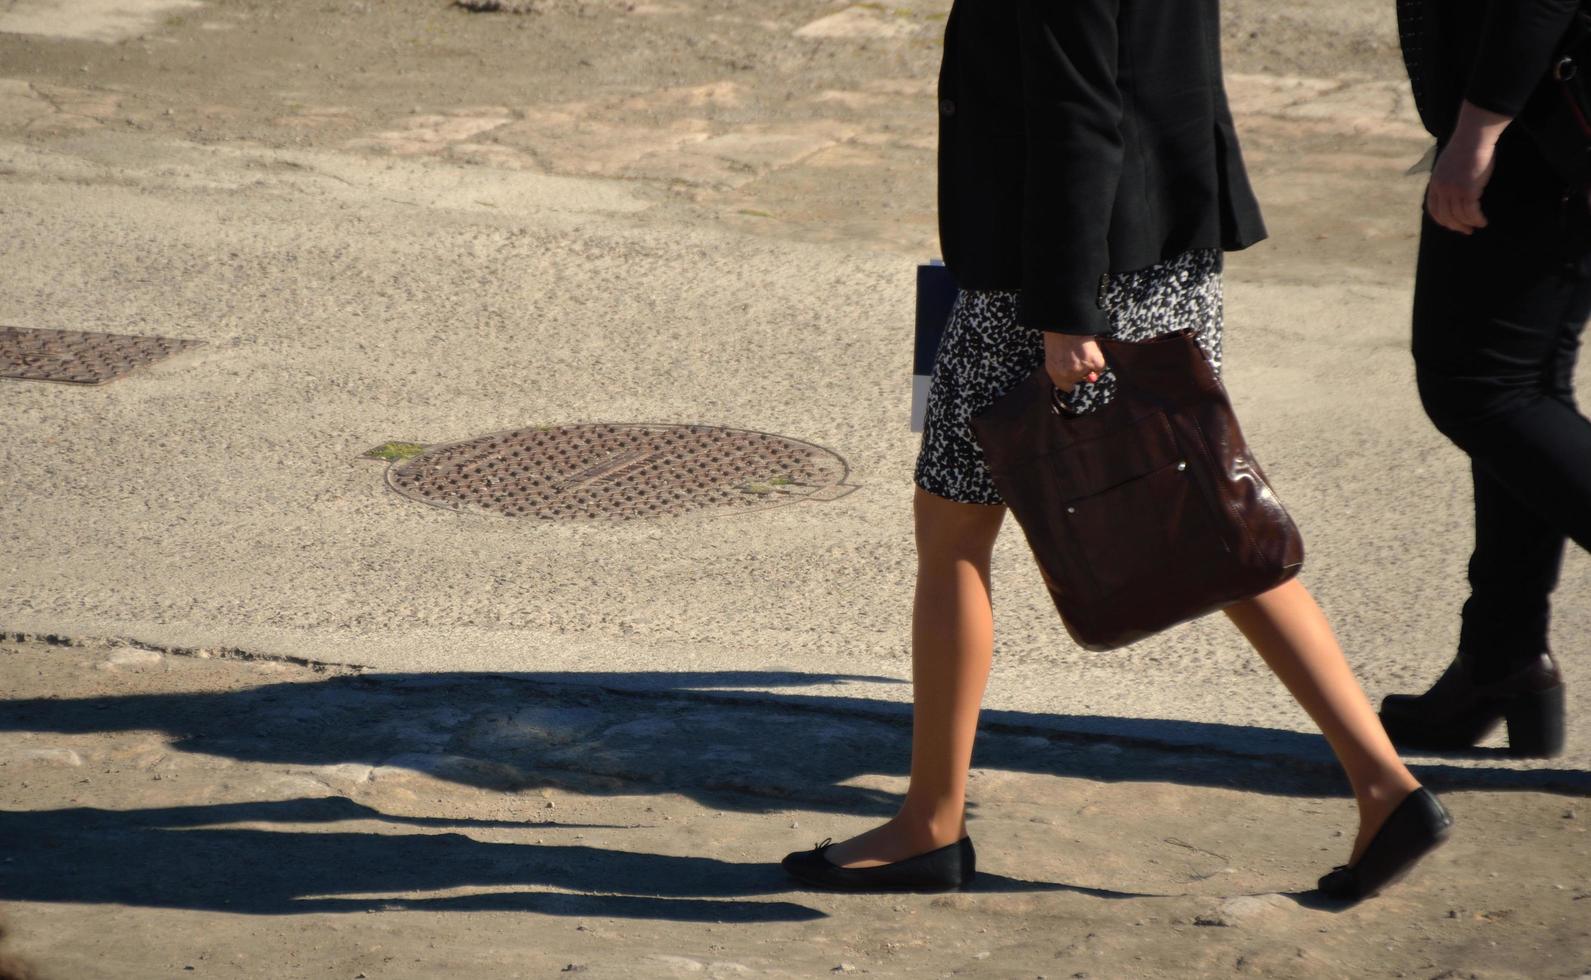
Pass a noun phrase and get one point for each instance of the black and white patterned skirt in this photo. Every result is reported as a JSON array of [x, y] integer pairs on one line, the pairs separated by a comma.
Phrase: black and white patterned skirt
[[983, 352]]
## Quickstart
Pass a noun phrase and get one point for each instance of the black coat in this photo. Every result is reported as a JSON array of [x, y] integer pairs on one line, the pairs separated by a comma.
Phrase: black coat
[[1492, 52], [1079, 137]]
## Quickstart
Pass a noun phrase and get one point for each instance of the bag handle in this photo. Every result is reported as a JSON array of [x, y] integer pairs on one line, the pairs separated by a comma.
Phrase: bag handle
[[1139, 364]]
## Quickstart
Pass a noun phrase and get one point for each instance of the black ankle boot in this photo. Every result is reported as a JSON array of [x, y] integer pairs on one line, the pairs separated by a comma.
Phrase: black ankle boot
[[1461, 708]]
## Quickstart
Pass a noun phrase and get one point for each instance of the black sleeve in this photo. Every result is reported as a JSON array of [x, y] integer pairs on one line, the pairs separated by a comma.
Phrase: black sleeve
[[1516, 50], [1072, 110]]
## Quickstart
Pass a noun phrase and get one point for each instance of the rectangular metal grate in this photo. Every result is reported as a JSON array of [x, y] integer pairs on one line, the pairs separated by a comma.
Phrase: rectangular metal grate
[[80, 357]]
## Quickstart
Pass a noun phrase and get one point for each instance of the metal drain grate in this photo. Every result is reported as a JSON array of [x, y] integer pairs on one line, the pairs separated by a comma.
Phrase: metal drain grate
[[620, 471], [79, 357]]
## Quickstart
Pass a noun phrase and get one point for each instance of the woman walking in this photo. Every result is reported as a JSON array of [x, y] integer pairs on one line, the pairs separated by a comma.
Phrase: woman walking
[[1089, 181], [1502, 290]]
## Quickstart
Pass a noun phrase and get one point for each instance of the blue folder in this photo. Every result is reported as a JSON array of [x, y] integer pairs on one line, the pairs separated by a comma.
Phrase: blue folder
[[936, 294]]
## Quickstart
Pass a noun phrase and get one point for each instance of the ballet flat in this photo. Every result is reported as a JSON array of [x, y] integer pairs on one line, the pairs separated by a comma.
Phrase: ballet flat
[[1417, 826], [943, 869]]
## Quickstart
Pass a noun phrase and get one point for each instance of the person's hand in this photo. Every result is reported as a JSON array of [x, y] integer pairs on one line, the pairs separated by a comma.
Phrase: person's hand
[[1463, 169], [1454, 194], [1071, 359]]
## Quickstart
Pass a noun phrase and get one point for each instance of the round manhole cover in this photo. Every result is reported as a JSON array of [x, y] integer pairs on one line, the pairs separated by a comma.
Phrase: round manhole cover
[[620, 471]]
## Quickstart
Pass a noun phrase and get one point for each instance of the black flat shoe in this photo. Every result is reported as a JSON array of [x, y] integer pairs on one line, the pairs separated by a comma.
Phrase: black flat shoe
[[942, 869], [1415, 828], [1459, 709]]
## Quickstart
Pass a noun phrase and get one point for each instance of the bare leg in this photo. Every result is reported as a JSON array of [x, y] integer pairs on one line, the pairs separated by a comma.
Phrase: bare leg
[[1291, 634], [952, 645]]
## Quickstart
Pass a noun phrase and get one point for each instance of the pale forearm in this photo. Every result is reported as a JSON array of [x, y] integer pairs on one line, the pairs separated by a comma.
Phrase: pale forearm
[[1477, 127]]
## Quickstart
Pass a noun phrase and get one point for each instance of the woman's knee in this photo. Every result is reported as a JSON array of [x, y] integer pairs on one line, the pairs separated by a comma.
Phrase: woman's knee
[[949, 528]]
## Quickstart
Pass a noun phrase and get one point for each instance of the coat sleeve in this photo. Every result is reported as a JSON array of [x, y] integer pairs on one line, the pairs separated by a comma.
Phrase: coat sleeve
[[1072, 112], [1516, 50]]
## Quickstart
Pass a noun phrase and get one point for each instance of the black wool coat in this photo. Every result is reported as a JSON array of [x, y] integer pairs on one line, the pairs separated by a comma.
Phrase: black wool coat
[[1492, 52], [1080, 137]]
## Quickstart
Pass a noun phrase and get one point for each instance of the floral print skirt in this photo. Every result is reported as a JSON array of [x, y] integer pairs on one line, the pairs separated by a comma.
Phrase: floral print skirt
[[983, 353]]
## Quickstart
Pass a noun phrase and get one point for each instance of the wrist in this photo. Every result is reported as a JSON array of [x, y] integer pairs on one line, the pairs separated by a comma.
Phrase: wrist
[[1478, 128]]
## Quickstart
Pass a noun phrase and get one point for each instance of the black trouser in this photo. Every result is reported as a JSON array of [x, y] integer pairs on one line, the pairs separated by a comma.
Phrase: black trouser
[[1497, 323]]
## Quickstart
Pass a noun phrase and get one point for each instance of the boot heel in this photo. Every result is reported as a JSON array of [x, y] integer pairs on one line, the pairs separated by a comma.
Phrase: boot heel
[[1535, 723]]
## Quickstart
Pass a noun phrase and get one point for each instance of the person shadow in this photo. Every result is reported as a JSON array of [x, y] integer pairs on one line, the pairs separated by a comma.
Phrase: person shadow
[[689, 734]]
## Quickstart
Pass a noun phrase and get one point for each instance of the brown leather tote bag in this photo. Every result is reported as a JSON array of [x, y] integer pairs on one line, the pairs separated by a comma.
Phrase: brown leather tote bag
[[1148, 512]]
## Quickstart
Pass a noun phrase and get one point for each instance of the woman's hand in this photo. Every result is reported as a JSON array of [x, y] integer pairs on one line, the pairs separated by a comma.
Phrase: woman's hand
[[1071, 359], [1464, 167]]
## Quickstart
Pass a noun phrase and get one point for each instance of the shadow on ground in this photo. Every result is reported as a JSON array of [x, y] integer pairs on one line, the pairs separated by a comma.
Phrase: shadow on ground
[[184, 857], [725, 750], [520, 731]]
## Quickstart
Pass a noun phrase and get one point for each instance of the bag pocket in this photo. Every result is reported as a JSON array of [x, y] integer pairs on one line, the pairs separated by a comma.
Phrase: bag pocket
[[1113, 455], [1153, 534]]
